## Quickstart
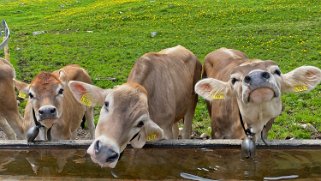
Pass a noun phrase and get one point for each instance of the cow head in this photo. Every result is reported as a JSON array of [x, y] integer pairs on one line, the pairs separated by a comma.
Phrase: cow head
[[124, 118], [257, 85], [46, 93]]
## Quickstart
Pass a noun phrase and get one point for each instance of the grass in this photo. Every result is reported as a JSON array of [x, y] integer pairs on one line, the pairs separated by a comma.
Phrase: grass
[[106, 37]]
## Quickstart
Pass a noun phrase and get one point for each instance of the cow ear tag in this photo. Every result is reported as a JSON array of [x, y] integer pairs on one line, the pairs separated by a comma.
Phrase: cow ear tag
[[300, 88], [218, 95], [85, 100], [151, 137], [22, 95]]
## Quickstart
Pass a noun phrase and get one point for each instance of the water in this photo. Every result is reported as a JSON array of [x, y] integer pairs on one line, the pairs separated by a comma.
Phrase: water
[[159, 164]]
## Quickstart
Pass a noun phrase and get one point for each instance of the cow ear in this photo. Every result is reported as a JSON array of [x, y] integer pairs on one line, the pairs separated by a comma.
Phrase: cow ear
[[87, 94], [212, 89], [150, 131], [22, 87], [62, 76], [301, 79]]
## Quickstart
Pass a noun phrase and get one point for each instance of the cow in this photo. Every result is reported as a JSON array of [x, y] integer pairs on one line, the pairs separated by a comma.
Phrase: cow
[[10, 120], [158, 93], [245, 94], [51, 107]]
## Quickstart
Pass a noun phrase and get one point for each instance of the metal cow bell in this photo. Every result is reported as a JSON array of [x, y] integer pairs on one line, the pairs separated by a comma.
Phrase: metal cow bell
[[248, 147], [32, 133]]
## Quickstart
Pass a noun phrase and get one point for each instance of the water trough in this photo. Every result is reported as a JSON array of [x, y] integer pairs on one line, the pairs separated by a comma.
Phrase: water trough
[[166, 159]]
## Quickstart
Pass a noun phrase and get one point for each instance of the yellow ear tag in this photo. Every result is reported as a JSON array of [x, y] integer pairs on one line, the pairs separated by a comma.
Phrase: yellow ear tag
[[85, 100], [218, 95], [300, 88], [22, 95], [151, 137]]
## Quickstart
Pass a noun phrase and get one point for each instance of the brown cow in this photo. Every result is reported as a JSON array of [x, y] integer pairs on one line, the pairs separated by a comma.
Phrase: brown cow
[[159, 90], [240, 88], [51, 106], [10, 120]]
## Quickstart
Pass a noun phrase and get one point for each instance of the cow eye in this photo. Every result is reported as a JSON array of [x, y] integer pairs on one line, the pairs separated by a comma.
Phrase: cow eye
[[277, 72], [234, 80], [107, 105], [140, 124], [61, 91], [31, 96]]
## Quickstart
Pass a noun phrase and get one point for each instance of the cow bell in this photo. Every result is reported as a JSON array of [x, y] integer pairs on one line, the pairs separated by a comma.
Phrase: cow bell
[[248, 147], [32, 133]]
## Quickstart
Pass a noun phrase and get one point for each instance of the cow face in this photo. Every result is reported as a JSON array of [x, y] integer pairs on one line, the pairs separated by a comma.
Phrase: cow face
[[123, 119], [46, 97], [257, 86]]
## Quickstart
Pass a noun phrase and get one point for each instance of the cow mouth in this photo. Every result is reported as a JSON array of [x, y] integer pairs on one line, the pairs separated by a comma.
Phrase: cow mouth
[[103, 163], [47, 122], [262, 94]]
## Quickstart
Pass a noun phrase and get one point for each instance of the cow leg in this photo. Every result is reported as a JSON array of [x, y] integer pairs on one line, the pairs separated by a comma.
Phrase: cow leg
[[73, 135], [7, 129], [188, 118], [266, 129], [168, 132], [15, 121], [175, 130], [89, 114]]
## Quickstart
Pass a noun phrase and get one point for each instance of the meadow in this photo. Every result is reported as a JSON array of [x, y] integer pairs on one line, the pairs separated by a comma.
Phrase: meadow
[[106, 37]]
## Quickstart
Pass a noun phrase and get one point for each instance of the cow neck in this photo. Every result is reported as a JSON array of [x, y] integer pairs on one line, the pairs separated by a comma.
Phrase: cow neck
[[38, 125], [248, 130]]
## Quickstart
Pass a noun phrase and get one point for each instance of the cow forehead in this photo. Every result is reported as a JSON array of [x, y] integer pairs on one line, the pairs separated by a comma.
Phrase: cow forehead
[[130, 100], [248, 66], [45, 81], [128, 95]]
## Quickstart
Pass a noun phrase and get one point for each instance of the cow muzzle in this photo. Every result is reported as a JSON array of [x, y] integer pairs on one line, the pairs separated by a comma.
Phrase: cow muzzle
[[104, 154], [47, 114], [259, 87]]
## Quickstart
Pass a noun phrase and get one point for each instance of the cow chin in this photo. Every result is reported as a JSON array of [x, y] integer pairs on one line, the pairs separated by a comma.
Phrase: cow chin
[[47, 122], [104, 151]]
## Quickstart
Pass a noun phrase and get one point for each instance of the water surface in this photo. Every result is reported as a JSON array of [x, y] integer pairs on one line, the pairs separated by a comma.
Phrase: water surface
[[162, 164]]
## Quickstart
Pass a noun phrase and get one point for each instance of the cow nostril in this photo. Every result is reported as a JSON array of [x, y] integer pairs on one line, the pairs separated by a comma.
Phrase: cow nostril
[[247, 79], [265, 75], [40, 111], [53, 110], [97, 146], [112, 156]]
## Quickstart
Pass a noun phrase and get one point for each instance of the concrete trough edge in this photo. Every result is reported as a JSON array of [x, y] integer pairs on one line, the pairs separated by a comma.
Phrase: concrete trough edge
[[217, 143]]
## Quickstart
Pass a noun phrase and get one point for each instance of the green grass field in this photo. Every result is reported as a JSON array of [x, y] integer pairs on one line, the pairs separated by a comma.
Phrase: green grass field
[[106, 37]]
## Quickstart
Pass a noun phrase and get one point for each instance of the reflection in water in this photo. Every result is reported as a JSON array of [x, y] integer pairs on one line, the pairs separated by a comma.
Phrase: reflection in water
[[162, 164]]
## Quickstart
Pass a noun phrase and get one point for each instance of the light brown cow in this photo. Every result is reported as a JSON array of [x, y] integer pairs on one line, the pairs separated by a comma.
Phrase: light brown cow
[[10, 120], [251, 89], [53, 106], [159, 90]]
